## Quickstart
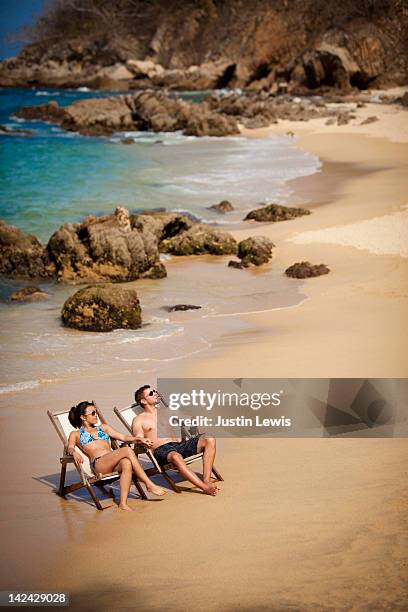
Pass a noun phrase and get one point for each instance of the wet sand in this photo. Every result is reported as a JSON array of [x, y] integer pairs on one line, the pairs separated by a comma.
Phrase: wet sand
[[299, 524]]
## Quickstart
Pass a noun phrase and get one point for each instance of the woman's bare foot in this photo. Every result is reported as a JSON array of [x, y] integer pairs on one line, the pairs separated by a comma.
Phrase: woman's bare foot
[[152, 488], [210, 489], [125, 507]]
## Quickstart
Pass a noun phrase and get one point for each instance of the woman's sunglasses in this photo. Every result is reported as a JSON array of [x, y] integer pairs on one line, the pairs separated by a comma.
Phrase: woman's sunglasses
[[93, 413]]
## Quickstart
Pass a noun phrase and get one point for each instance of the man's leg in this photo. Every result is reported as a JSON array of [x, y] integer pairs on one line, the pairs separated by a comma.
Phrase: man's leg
[[177, 460], [207, 446]]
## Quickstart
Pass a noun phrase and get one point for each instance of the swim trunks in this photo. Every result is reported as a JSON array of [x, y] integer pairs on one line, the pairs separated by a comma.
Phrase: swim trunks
[[186, 448]]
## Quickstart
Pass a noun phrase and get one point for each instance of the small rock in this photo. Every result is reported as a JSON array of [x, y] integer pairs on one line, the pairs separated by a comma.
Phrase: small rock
[[223, 207], [158, 270], [369, 120], [14, 131], [343, 118], [177, 307], [404, 99], [240, 265], [275, 212], [330, 121], [28, 294], [102, 308], [127, 141], [305, 269]]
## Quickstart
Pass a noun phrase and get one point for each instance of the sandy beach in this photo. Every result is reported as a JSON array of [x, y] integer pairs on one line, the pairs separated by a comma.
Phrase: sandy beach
[[300, 524]]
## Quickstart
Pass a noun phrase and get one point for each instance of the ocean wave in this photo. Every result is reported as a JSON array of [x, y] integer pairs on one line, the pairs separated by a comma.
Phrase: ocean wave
[[205, 346], [159, 336], [24, 386], [249, 312], [43, 93]]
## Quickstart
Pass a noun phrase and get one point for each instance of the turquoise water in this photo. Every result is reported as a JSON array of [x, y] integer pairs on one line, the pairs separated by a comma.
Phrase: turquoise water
[[53, 176]]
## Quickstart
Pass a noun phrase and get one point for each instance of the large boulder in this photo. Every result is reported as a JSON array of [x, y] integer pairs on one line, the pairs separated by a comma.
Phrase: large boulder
[[198, 240], [275, 212], [102, 308], [22, 255], [105, 249]]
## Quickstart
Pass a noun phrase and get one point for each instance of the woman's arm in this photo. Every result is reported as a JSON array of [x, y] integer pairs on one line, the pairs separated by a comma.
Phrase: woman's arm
[[72, 441], [118, 436]]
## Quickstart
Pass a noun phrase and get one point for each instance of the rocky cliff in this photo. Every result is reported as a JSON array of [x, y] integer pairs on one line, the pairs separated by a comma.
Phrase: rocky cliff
[[196, 44]]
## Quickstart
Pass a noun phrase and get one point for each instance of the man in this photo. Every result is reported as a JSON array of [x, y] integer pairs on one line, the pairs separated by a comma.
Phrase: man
[[171, 450]]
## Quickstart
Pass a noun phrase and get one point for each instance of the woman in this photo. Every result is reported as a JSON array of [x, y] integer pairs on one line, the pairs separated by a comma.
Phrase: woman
[[94, 440]]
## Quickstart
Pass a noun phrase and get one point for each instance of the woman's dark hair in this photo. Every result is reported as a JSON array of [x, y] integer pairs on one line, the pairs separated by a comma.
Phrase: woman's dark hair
[[76, 412]]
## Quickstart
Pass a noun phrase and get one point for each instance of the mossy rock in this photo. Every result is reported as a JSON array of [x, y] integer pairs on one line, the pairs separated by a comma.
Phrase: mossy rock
[[256, 250], [275, 212], [102, 308], [200, 239]]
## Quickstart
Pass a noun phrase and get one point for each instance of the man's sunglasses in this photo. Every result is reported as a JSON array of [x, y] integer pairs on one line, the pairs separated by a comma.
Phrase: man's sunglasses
[[151, 392]]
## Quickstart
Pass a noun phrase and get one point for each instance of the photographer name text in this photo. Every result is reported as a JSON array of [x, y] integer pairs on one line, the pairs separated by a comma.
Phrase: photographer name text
[[240, 421]]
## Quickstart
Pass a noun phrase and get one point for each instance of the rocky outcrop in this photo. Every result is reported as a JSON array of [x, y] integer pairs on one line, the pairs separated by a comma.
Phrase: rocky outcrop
[[116, 248], [148, 111], [102, 308], [305, 269], [198, 240], [105, 248], [259, 109], [275, 212], [22, 255], [222, 207], [253, 251], [201, 44], [218, 115], [28, 294]]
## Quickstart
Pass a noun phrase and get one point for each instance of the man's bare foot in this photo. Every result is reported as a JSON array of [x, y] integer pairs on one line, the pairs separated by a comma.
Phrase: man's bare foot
[[152, 488], [210, 482], [125, 507], [210, 489]]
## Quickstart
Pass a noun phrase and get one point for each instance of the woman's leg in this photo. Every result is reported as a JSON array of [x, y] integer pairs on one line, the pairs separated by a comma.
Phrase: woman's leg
[[125, 469], [108, 463]]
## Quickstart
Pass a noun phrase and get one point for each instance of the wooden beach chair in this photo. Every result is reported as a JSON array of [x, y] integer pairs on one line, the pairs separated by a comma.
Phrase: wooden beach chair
[[126, 416], [87, 477]]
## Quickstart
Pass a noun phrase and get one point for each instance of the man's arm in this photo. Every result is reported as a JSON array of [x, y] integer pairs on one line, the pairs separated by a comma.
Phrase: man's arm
[[122, 437]]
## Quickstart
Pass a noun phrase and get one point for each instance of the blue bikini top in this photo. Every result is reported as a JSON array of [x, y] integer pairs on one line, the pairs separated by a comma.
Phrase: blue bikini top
[[85, 437]]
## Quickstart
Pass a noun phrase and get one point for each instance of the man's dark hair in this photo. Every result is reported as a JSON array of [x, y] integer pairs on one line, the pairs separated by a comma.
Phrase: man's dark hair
[[139, 394]]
